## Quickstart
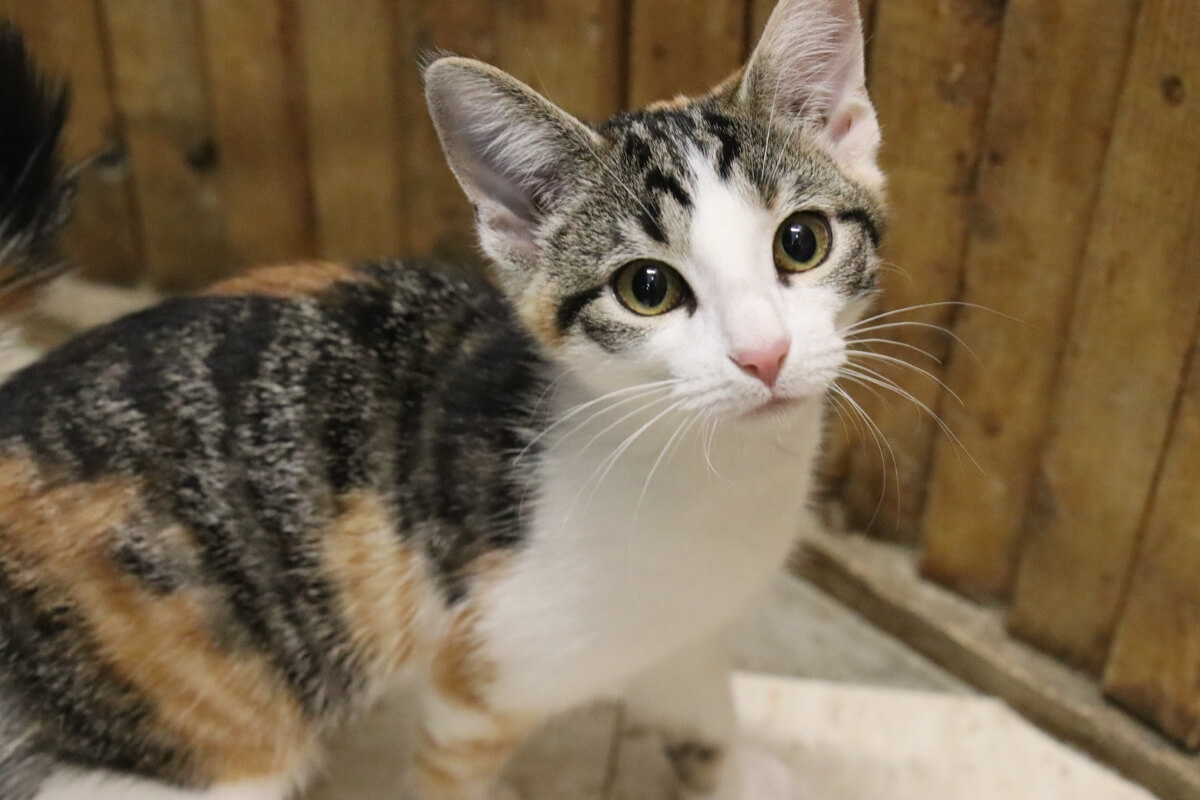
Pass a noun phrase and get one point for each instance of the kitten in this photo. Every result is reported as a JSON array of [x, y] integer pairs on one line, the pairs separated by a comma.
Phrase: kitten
[[229, 522]]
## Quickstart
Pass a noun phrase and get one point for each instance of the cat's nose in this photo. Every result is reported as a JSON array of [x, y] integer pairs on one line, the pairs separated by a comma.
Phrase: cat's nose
[[763, 363]]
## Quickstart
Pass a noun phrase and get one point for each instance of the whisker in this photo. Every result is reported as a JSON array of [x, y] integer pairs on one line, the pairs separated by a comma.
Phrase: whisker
[[893, 387], [879, 437], [901, 362], [894, 343], [643, 389]]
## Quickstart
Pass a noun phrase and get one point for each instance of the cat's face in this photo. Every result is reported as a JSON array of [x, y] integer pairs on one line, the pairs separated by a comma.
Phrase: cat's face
[[720, 244]]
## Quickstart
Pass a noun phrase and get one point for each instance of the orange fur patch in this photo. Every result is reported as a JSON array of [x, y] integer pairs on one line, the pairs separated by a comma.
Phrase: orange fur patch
[[380, 582], [227, 708], [461, 671], [305, 278], [443, 768], [537, 311]]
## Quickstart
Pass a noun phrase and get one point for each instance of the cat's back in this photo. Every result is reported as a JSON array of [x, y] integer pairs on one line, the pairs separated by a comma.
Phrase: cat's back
[[187, 500]]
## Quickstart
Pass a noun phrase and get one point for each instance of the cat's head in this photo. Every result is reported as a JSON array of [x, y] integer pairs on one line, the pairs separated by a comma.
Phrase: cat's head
[[720, 242]]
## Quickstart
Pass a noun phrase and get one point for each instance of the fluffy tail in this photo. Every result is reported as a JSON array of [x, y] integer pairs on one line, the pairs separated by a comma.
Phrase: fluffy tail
[[35, 194]]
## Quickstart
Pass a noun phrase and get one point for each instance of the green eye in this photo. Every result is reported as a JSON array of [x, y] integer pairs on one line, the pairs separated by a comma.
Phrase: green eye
[[802, 242], [649, 288]]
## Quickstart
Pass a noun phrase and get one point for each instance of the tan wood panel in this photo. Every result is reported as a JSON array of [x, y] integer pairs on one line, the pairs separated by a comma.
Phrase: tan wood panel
[[760, 11], [1134, 312], [683, 47], [1154, 665], [569, 49], [252, 59], [160, 89], [437, 218], [1058, 77], [931, 101], [354, 126], [67, 38]]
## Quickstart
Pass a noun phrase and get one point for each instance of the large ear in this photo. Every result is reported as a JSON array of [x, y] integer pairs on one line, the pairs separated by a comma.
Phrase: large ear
[[510, 148], [808, 67]]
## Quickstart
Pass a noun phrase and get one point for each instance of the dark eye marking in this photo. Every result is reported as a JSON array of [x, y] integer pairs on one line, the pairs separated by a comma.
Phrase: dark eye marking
[[659, 181], [571, 307], [861, 216]]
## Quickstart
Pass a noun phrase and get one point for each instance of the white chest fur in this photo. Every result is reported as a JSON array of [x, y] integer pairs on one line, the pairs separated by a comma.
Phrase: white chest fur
[[625, 566]]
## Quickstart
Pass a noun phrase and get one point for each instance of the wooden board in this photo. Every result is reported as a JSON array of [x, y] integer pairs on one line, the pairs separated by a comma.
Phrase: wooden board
[[931, 102], [1134, 314], [880, 581], [251, 53], [571, 49], [1058, 77], [67, 38], [156, 55], [1154, 665], [354, 126], [683, 47]]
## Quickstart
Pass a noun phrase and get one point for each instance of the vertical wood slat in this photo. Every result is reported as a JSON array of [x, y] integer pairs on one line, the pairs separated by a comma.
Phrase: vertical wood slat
[[569, 48], [1154, 665], [683, 47], [67, 37], [1048, 130], [437, 217], [354, 127], [157, 67], [252, 59], [1137, 301], [931, 101]]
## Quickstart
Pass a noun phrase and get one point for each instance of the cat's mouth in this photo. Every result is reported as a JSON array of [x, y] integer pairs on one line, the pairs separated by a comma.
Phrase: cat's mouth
[[772, 407]]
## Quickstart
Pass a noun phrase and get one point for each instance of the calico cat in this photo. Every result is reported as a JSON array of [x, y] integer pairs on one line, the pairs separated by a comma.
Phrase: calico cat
[[229, 522]]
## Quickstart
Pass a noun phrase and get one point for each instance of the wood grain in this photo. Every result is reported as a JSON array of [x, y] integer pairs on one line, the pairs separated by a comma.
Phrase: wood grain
[[67, 38], [251, 53], [1048, 130], [931, 102], [1154, 665], [569, 49], [1132, 328], [160, 89], [354, 125], [683, 47]]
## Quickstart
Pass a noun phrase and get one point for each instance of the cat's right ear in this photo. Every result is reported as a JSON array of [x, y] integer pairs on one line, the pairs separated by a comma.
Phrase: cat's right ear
[[510, 148]]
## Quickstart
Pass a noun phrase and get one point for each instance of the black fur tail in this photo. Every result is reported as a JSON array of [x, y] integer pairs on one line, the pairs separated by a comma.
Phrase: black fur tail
[[35, 194]]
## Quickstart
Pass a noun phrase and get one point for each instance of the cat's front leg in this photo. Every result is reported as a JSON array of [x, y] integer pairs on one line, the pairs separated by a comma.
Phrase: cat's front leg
[[688, 699], [462, 748]]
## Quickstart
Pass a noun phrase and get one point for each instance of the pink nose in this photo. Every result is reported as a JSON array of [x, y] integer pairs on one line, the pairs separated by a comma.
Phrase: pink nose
[[763, 363]]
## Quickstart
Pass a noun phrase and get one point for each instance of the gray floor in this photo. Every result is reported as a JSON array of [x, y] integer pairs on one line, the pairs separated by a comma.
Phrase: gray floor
[[798, 631]]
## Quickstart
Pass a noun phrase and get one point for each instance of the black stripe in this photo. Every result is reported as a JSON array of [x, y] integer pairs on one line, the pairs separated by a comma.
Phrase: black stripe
[[659, 181], [570, 308], [864, 218]]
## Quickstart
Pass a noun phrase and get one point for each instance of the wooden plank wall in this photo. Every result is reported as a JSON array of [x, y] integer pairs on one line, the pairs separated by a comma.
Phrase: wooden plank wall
[[1044, 172]]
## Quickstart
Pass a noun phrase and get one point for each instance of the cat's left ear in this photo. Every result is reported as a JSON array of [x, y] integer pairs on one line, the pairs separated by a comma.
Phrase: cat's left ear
[[808, 67], [511, 149]]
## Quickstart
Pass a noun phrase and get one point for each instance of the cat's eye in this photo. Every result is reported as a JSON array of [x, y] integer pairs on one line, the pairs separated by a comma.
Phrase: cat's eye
[[649, 287], [802, 242]]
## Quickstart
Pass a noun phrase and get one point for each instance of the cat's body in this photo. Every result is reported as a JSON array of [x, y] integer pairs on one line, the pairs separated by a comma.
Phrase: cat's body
[[230, 522]]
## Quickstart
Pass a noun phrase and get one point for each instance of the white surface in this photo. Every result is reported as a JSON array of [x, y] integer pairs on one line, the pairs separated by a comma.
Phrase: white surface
[[802, 740]]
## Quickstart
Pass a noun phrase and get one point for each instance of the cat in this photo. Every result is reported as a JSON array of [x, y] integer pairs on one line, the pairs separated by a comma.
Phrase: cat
[[228, 523]]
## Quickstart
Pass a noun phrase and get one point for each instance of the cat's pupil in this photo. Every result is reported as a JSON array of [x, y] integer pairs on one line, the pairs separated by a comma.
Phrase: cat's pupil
[[650, 286], [799, 242]]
